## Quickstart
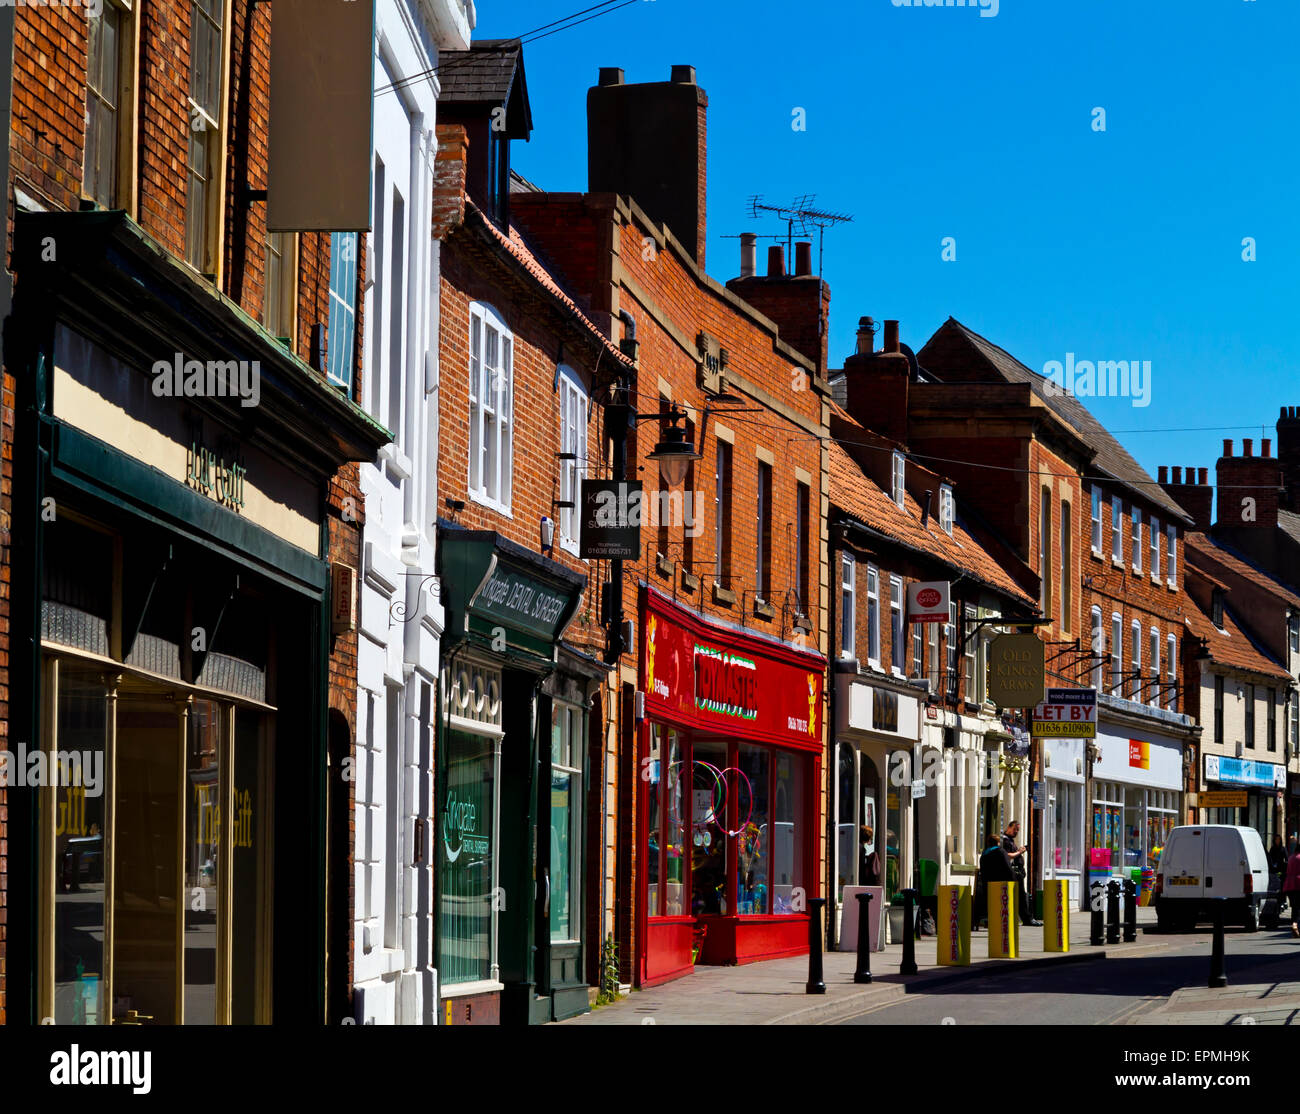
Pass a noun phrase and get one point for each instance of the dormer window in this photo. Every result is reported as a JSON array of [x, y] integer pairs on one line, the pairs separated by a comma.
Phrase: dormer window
[[897, 489], [1216, 608], [946, 509]]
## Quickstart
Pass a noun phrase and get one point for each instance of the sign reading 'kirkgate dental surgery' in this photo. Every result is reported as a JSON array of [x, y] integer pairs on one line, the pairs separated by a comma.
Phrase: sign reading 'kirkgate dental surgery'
[[693, 671]]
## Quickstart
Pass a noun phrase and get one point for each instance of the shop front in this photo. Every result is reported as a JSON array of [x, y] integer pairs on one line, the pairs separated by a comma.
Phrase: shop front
[[1064, 855], [171, 641], [872, 829], [1261, 785], [1136, 801], [511, 782], [730, 760]]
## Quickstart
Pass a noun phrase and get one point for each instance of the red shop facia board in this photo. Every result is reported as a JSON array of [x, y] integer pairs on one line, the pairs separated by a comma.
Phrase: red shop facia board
[[718, 679]]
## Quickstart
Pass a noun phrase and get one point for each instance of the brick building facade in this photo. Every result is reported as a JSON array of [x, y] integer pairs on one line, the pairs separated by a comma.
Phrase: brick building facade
[[107, 115]]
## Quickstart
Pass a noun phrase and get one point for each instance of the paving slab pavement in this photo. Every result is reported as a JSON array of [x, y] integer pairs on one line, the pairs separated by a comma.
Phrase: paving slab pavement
[[1257, 1003], [772, 992]]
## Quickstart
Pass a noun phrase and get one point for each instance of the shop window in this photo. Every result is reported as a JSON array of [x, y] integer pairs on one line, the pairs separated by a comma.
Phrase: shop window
[[1108, 832], [654, 825], [78, 596], [713, 803], [574, 406], [205, 162], [873, 616], [847, 824], [466, 917], [566, 821], [491, 377], [1066, 823], [756, 835], [343, 309], [897, 643], [788, 833]]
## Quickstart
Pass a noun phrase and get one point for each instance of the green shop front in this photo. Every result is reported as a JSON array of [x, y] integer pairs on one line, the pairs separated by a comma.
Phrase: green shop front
[[511, 782], [170, 639]]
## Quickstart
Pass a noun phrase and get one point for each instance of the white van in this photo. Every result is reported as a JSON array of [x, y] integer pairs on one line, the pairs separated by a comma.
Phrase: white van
[[1205, 862]]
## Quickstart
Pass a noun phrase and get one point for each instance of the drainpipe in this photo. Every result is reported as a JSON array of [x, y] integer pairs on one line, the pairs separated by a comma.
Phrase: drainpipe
[[833, 746]]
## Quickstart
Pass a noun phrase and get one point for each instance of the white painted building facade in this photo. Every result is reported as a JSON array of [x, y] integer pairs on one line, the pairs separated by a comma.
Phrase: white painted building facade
[[394, 975]]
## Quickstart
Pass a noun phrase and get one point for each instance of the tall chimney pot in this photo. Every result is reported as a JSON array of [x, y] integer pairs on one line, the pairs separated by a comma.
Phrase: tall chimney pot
[[1266, 446], [891, 336], [1203, 477], [1227, 446], [866, 336], [803, 257], [776, 261], [1247, 446], [1162, 475], [748, 254]]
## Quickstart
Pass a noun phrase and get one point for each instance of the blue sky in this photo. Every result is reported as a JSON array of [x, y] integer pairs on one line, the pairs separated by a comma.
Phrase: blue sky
[[926, 123]]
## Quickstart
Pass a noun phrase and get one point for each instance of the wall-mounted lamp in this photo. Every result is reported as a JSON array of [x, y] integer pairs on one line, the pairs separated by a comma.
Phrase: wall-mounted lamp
[[674, 453], [548, 534]]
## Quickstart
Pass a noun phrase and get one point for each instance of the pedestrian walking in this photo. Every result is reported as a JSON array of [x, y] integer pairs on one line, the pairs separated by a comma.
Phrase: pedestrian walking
[[1291, 891], [1277, 860]]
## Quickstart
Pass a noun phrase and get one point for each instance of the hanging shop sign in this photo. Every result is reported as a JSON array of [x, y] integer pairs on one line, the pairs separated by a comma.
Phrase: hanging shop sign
[[927, 602], [610, 518], [1066, 713], [701, 673], [1016, 670]]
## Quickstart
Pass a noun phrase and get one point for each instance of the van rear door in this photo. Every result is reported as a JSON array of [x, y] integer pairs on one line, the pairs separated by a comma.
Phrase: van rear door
[[1183, 864], [1225, 863]]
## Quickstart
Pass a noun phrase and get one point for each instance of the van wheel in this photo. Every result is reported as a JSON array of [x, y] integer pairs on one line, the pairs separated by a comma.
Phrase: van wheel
[[1252, 919]]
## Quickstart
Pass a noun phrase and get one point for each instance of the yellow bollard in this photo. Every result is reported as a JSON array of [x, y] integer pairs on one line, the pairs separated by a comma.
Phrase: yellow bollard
[[1004, 921], [1056, 915], [954, 926]]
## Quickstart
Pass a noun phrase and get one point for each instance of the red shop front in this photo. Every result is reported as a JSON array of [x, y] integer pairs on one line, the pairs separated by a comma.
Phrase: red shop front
[[730, 764]]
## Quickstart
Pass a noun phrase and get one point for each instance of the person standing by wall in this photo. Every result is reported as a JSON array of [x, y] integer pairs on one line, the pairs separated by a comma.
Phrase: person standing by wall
[[1015, 853]]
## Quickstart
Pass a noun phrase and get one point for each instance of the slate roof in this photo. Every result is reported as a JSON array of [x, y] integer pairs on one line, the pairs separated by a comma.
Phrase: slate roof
[[1112, 458], [1289, 524], [486, 74], [1206, 547], [859, 497], [1231, 646]]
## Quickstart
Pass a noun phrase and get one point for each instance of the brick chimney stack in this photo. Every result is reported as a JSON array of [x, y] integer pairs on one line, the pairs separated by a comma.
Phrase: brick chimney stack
[[877, 385], [790, 300], [1288, 455], [1197, 499], [649, 142], [1248, 487]]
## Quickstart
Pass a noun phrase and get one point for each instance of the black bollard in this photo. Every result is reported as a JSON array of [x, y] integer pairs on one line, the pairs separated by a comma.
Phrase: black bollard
[[815, 984], [909, 938], [1098, 936], [1217, 976], [863, 973], [1112, 911], [1130, 911]]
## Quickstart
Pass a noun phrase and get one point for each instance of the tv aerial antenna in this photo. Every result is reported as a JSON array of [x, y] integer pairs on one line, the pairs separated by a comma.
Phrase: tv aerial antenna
[[801, 218]]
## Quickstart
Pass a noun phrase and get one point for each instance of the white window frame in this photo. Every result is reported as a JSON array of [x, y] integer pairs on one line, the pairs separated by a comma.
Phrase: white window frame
[[899, 479], [934, 656], [575, 409], [1116, 654], [1293, 634], [1117, 529], [496, 383], [848, 605], [213, 130], [918, 649], [1096, 520], [1135, 543], [1098, 645], [1171, 671], [969, 652], [1135, 651], [1171, 556], [1155, 548], [1153, 651], [873, 615], [950, 654], [1295, 723], [947, 509], [897, 631]]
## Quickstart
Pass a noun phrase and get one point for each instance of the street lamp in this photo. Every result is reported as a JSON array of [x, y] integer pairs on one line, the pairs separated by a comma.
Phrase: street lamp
[[674, 453]]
